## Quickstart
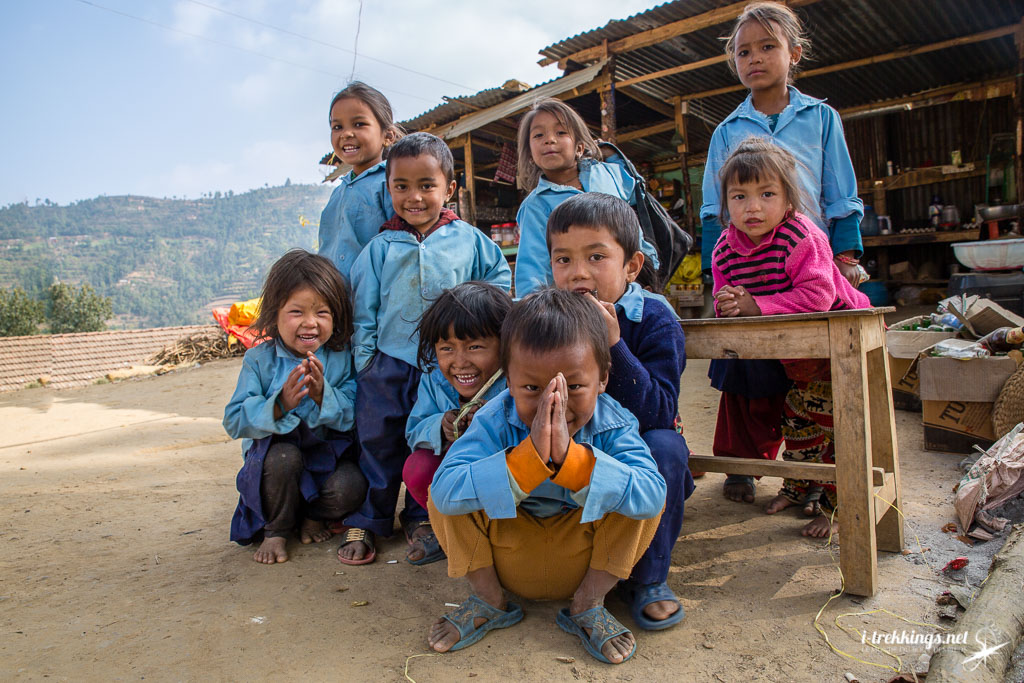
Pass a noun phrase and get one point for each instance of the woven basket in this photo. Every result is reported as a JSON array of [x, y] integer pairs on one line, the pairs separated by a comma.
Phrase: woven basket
[[1009, 407]]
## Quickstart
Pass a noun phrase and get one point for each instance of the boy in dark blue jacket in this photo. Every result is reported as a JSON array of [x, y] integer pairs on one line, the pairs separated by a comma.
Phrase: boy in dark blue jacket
[[594, 247]]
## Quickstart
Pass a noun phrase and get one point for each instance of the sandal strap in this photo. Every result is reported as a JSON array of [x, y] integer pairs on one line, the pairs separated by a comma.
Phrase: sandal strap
[[354, 534], [602, 624], [472, 607], [652, 592]]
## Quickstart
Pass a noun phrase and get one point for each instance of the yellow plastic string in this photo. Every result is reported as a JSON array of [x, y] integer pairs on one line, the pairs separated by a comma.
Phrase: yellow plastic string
[[407, 676], [847, 630]]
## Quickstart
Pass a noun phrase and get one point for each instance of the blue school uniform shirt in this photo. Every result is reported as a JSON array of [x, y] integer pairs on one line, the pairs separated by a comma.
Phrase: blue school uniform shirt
[[397, 277], [648, 360], [474, 474], [436, 397], [533, 264], [359, 205], [249, 415], [813, 132]]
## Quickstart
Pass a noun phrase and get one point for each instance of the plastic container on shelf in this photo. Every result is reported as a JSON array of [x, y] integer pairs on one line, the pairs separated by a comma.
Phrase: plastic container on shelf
[[991, 254], [869, 223]]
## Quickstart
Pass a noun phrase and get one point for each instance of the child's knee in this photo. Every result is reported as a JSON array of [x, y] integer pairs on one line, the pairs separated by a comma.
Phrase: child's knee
[[344, 490], [283, 460]]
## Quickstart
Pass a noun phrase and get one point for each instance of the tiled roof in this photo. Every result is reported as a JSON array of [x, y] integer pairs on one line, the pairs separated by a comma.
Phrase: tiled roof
[[70, 360]]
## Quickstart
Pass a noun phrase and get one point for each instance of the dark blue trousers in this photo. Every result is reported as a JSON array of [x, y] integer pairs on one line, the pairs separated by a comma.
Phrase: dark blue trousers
[[385, 393], [672, 455]]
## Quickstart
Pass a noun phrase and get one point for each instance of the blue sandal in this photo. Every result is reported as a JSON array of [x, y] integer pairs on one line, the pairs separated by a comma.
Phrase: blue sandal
[[603, 627], [432, 551], [473, 608], [639, 596], [743, 480]]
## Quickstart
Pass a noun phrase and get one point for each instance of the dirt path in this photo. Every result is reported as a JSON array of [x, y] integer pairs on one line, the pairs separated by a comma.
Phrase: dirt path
[[115, 505]]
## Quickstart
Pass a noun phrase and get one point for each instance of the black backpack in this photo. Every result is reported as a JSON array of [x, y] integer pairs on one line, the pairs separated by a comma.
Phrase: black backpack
[[670, 241]]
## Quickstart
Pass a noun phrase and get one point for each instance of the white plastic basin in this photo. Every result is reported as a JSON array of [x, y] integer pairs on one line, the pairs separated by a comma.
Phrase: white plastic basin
[[991, 254]]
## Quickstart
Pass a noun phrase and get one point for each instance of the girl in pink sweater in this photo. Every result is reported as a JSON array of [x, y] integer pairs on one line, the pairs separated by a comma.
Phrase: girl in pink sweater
[[773, 259]]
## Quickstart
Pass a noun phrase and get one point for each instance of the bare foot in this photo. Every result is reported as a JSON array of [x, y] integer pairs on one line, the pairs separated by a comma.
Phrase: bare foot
[[444, 635], [777, 504], [313, 531], [485, 585], [416, 549], [272, 550], [820, 527], [356, 550], [617, 648], [662, 609], [740, 490]]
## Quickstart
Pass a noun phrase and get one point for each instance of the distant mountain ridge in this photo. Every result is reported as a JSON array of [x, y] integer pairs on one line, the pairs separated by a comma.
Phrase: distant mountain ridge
[[162, 261]]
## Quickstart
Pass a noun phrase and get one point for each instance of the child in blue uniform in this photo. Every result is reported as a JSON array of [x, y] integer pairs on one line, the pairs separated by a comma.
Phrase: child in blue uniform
[[558, 158], [423, 250], [551, 494], [294, 408], [460, 336], [362, 129], [595, 252], [765, 47]]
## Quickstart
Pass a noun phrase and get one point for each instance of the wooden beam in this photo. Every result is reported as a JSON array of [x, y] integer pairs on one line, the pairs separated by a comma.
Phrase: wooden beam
[[684, 150], [983, 90], [661, 33], [652, 103], [470, 182], [662, 127], [692, 66], [608, 123], [878, 59]]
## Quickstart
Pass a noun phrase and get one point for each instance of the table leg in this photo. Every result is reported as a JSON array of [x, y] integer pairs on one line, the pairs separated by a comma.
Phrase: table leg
[[884, 449], [851, 406]]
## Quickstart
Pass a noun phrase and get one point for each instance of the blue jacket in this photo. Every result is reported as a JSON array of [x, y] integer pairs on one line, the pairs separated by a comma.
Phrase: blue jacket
[[813, 132], [533, 264], [436, 397], [357, 208], [474, 474], [396, 278], [249, 414], [648, 360]]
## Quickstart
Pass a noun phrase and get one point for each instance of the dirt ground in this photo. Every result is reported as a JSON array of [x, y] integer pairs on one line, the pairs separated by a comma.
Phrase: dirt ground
[[116, 565]]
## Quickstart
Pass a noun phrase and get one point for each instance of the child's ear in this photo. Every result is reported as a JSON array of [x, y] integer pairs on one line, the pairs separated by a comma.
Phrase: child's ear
[[579, 150], [795, 54], [633, 265], [603, 384], [451, 191]]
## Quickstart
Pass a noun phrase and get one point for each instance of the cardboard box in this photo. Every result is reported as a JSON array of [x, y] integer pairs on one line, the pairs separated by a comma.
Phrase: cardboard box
[[982, 315], [957, 398], [904, 346], [686, 296]]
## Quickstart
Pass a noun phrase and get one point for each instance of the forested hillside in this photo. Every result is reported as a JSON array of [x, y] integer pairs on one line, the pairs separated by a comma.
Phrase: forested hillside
[[162, 261]]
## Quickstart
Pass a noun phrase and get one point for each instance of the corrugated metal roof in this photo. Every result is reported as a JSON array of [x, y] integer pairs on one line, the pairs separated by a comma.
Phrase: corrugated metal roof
[[456, 107]]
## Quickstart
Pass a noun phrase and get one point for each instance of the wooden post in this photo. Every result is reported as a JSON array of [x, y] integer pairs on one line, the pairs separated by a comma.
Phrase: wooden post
[[682, 109], [1018, 111], [608, 104], [470, 182]]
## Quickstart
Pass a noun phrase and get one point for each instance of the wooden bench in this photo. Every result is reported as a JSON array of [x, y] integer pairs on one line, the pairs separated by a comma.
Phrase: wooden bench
[[866, 472]]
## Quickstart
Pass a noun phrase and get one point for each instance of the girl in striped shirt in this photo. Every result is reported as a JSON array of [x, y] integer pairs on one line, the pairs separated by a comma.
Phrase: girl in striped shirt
[[772, 259]]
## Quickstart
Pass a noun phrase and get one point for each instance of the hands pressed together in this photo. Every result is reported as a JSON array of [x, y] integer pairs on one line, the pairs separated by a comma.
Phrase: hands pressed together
[[306, 379], [734, 301], [549, 431]]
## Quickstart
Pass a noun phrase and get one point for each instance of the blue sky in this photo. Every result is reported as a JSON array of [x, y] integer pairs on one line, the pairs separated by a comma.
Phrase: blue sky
[[96, 102]]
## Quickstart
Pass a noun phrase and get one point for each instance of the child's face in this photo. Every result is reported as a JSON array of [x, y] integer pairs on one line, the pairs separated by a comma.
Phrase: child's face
[[467, 364], [755, 208], [551, 144], [305, 322], [529, 374], [418, 190], [585, 259], [763, 61], [356, 135]]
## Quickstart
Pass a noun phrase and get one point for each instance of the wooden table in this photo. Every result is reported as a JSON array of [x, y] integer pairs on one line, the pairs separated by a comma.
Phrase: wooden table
[[866, 472]]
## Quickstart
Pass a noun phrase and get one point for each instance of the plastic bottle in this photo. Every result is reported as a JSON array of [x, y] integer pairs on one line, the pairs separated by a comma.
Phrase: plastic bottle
[[1003, 339], [935, 211]]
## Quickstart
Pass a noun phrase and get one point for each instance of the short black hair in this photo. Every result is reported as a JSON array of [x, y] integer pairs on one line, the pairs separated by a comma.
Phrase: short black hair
[[418, 144], [295, 270], [597, 210], [551, 319], [472, 310]]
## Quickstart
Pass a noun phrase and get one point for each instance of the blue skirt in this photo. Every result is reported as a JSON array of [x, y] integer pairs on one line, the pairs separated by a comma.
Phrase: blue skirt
[[751, 378], [320, 458]]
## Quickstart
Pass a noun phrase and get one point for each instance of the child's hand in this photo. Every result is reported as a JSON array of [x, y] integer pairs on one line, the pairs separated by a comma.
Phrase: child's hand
[[315, 378], [734, 301], [294, 389], [540, 430], [611, 321], [559, 429]]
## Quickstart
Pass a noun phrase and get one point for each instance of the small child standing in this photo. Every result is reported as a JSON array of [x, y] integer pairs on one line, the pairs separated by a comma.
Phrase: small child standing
[[293, 407], [460, 334], [765, 48], [772, 259], [552, 493], [595, 252], [558, 158], [362, 129], [423, 250]]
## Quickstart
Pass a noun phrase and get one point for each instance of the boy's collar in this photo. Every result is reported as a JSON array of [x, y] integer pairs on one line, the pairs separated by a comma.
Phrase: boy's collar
[[396, 223], [632, 302]]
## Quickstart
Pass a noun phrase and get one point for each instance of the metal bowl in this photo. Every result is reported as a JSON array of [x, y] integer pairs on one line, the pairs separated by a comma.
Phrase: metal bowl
[[990, 254], [996, 213]]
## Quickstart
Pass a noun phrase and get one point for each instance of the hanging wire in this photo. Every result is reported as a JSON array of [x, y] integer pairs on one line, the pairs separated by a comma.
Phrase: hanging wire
[[355, 45]]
